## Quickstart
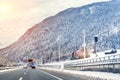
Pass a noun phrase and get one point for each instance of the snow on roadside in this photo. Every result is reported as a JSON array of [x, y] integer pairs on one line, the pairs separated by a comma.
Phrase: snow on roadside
[[92, 74], [100, 75], [11, 69]]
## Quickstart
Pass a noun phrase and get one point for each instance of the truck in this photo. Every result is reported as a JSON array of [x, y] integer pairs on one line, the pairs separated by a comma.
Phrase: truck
[[32, 63]]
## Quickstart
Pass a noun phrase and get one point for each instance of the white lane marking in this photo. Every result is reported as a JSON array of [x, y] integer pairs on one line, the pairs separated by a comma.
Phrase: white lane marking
[[24, 73], [21, 78], [52, 75]]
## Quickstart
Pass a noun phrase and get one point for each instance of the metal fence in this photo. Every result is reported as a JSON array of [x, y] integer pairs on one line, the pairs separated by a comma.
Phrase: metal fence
[[110, 63]]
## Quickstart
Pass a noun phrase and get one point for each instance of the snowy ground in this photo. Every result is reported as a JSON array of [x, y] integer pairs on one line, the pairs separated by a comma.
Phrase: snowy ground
[[102, 54], [92, 74], [10, 69], [98, 75]]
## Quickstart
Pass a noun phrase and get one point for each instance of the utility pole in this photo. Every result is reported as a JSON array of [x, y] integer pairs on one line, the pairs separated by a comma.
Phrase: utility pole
[[59, 51], [84, 43], [41, 58], [58, 43]]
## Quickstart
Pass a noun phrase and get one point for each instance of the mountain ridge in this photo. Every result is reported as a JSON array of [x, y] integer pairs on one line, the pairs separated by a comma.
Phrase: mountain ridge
[[100, 19]]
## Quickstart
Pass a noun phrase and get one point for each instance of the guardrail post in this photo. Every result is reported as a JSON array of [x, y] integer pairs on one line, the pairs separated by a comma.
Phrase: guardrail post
[[108, 68], [119, 68], [113, 68], [103, 67], [62, 67]]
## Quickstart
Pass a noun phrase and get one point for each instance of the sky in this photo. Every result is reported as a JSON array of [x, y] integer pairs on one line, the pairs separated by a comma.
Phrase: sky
[[17, 16]]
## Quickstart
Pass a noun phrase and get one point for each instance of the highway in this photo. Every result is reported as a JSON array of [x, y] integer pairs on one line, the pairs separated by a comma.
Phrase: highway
[[37, 74]]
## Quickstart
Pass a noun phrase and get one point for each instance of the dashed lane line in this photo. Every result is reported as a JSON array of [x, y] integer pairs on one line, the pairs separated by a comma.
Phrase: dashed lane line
[[21, 78], [52, 75]]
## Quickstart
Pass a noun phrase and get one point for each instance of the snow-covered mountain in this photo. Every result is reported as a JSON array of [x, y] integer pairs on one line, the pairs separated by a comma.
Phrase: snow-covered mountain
[[5, 61], [65, 30]]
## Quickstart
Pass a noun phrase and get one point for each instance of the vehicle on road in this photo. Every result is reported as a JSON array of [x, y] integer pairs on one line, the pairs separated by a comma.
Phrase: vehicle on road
[[32, 63]]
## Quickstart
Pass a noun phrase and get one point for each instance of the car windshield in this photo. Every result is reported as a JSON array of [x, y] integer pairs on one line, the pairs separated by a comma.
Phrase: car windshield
[[59, 39]]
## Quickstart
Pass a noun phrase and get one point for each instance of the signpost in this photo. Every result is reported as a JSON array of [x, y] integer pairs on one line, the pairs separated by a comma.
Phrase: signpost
[[95, 42]]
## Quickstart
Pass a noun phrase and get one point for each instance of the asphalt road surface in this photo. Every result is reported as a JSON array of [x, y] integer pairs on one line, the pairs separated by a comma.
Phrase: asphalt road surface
[[38, 74]]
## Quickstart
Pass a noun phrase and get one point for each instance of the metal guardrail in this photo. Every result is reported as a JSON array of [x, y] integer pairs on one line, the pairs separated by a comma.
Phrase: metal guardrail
[[109, 63], [111, 59]]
